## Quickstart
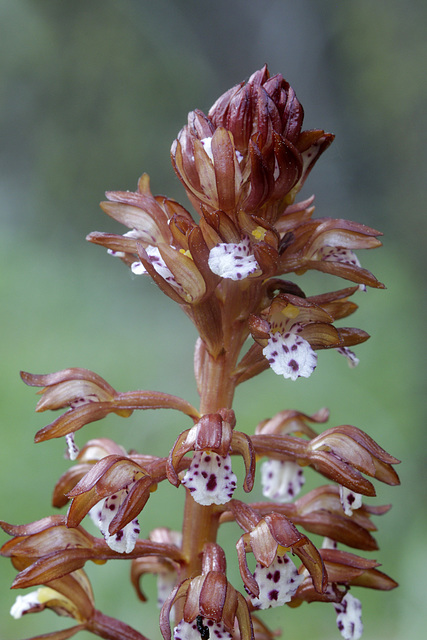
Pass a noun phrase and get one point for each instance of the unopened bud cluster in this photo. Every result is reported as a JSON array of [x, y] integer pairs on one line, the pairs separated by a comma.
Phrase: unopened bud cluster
[[227, 266]]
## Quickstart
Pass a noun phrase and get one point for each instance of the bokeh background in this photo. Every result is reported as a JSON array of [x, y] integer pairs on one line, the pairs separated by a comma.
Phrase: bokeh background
[[93, 93]]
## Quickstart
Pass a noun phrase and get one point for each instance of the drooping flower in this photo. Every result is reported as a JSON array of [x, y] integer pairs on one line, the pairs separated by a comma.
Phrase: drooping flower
[[162, 566], [269, 538], [69, 596], [102, 514], [212, 608], [210, 478], [292, 327], [282, 480], [88, 398], [327, 245], [113, 492]]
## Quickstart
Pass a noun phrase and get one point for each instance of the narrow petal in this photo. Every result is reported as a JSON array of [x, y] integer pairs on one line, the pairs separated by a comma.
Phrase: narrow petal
[[281, 480], [233, 260], [210, 478], [349, 617], [277, 583], [290, 355]]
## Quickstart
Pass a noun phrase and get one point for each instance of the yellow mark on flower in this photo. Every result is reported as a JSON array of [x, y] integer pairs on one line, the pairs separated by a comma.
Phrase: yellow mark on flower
[[290, 311], [123, 413], [281, 551], [186, 252], [259, 233]]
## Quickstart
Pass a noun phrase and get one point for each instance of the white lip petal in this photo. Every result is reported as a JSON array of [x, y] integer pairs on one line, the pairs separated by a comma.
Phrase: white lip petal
[[210, 478], [281, 480], [233, 260], [277, 583], [290, 355], [103, 513]]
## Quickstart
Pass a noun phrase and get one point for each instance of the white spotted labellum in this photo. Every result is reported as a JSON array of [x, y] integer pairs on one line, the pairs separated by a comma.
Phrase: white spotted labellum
[[103, 513], [349, 617], [289, 354], [277, 583], [233, 260], [281, 480], [210, 478]]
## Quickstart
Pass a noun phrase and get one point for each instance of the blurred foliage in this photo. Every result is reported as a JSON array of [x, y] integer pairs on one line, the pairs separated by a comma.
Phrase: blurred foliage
[[94, 91]]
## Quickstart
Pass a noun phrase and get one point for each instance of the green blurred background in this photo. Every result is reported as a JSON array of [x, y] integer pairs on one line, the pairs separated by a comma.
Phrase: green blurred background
[[93, 93]]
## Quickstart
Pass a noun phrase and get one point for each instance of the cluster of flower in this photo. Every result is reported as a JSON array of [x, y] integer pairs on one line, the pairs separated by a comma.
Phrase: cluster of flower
[[242, 167]]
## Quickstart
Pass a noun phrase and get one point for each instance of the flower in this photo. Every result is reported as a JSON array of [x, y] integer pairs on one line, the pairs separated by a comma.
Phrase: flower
[[340, 453], [103, 514], [210, 478], [320, 511], [212, 607], [289, 330], [90, 398], [69, 596], [282, 480], [269, 538], [72, 596], [113, 492], [327, 245]]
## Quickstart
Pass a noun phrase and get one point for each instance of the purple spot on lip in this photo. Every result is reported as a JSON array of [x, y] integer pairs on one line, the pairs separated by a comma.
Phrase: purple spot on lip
[[211, 484], [293, 365], [273, 595]]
